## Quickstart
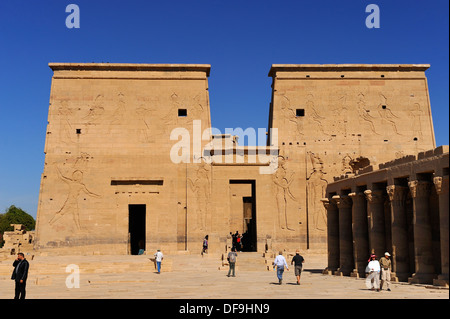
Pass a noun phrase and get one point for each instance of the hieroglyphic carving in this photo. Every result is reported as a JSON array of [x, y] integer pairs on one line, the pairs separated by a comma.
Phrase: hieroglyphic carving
[[76, 187], [283, 182]]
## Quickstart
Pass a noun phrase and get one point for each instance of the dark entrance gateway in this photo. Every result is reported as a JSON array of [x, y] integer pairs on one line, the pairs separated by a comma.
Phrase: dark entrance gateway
[[136, 228], [248, 216]]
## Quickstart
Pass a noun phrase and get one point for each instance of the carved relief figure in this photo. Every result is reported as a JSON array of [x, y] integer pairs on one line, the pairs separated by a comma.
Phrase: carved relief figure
[[201, 188], [416, 113], [340, 116], [65, 131], [175, 103], [120, 112], [96, 110], [346, 164], [144, 115], [316, 188], [197, 108], [290, 115], [386, 114], [82, 161], [283, 182], [76, 187], [363, 112], [315, 116]]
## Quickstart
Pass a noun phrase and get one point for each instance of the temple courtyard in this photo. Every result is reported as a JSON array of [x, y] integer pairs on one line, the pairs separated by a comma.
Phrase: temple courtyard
[[191, 276]]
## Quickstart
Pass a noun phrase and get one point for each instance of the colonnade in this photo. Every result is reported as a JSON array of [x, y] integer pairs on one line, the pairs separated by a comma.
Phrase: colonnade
[[400, 219]]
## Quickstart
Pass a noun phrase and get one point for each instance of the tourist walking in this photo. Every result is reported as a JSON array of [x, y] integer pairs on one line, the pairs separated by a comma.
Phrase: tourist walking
[[205, 245], [20, 275], [298, 261], [232, 257], [158, 258], [385, 265], [280, 263], [373, 268]]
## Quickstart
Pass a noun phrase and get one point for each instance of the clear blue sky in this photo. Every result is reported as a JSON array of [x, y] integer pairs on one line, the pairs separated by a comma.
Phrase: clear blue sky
[[240, 39]]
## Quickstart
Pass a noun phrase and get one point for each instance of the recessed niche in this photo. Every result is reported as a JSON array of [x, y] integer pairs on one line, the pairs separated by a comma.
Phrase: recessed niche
[[300, 112]]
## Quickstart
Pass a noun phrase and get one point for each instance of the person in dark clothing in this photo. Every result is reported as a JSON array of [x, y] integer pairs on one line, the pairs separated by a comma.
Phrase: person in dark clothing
[[205, 245], [19, 275], [298, 260]]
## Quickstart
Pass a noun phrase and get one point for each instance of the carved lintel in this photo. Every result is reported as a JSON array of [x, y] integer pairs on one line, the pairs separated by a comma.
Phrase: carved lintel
[[419, 188], [396, 192], [441, 184]]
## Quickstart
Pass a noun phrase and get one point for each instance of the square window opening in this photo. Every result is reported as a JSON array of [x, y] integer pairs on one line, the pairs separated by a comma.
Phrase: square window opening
[[182, 112], [300, 112]]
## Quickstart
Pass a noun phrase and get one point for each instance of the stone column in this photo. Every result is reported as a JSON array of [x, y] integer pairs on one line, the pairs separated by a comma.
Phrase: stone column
[[441, 184], [375, 212], [344, 204], [400, 246], [423, 244], [332, 235], [360, 233]]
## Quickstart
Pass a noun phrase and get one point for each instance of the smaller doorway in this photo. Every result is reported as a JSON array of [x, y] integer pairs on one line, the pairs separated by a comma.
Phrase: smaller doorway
[[136, 228]]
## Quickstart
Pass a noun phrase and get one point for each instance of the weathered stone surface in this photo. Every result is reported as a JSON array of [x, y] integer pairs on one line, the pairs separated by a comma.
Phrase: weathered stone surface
[[109, 151]]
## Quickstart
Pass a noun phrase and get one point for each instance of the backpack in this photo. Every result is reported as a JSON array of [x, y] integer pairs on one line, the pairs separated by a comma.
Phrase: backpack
[[232, 257]]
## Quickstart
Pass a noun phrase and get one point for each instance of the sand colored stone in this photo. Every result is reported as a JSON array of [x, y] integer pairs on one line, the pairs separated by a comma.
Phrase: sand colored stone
[[110, 185]]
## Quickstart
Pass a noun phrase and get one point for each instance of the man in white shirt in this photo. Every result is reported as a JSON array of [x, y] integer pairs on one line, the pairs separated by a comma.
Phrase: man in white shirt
[[280, 263], [158, 258], [373, 279]]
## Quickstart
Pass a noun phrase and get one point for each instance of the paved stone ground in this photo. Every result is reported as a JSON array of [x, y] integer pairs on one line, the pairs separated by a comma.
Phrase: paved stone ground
[[194, 277]]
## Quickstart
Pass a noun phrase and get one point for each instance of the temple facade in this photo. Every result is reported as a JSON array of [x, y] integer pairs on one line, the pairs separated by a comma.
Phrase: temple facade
[[132, 162]]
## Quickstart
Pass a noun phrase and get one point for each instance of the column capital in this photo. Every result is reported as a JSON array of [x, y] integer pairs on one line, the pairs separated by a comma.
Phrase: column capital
[[419, 188], [356, 197], [396, 192], [343, 201], [374, 196], [441, 184], [326, 202]]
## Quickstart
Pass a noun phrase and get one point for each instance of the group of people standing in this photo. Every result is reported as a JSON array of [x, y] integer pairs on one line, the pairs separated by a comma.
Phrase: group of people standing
[[375, 269]]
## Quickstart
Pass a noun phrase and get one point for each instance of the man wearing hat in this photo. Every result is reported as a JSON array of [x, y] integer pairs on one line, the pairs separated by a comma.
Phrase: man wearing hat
[[373, 268], [385, 265]]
